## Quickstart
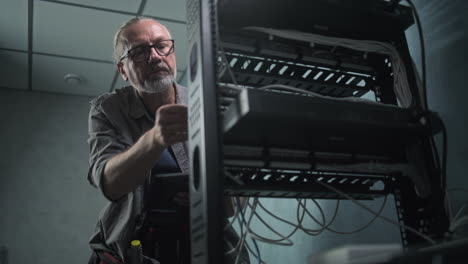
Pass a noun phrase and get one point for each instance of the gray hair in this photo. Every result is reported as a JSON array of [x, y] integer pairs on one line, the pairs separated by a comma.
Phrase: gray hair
[[121, 41]]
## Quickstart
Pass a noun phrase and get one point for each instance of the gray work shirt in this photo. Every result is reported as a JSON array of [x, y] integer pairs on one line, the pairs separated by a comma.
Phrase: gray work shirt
[[116, 121]]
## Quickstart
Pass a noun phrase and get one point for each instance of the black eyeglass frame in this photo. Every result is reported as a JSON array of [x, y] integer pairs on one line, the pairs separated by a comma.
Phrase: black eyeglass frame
[[128, 53]]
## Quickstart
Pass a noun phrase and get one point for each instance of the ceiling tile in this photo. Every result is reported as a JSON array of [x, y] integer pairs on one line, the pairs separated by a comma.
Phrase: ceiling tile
[[14, 69], [120, 5], [14, 24], [74, 31], [173, 9], [49, 72]]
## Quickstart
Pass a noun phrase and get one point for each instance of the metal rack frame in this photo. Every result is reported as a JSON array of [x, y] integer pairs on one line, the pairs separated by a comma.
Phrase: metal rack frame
[[207, 103]]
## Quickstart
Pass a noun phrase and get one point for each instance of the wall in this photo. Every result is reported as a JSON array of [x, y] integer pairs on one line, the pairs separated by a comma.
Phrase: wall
[[48, 210]]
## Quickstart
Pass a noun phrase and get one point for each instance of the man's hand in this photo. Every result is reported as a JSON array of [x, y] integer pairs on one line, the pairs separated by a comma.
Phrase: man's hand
[[170, 126]]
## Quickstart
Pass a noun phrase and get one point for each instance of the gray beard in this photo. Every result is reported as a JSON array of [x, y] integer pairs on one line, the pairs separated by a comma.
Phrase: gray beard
[[158, 85]]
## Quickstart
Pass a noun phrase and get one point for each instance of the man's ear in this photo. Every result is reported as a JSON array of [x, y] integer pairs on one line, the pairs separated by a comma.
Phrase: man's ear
[[122, 72]]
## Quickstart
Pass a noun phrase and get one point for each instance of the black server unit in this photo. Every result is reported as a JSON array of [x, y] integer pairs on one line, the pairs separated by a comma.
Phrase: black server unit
[[273, 101]]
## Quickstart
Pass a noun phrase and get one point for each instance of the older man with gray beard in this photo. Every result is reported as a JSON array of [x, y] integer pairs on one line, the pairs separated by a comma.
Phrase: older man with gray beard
[[135, 132]]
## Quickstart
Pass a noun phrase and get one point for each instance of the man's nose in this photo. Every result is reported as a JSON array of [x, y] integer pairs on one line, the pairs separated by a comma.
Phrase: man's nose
[[154, 56]]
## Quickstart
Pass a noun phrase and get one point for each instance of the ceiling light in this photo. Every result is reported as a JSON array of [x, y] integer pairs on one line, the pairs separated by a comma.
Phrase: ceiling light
[[73, 79]]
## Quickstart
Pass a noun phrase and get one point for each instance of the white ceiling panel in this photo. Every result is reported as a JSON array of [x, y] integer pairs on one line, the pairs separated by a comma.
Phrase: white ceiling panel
[[74, 31], [49, 72], [14, 69], [14, 24], [120, 5], [171, 9]]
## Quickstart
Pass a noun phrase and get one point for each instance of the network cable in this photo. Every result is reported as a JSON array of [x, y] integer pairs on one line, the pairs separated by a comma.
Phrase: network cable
[[377, 215], [269, 240], [243, 236], [414, 231]]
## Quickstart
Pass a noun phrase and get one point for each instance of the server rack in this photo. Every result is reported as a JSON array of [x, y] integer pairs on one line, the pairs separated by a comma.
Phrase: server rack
[[288, 151]]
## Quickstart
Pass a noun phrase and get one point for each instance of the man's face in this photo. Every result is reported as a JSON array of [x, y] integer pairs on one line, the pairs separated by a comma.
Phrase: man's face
[[156, 73]]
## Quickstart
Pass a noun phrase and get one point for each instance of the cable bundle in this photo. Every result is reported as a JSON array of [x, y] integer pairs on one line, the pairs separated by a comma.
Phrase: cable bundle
[[244, 217]]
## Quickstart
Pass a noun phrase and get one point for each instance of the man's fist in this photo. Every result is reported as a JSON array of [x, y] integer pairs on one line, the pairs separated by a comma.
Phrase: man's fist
[[170, 125]]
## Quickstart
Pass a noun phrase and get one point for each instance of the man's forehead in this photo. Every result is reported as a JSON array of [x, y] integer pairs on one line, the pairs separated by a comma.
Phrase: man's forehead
[[146, 30]]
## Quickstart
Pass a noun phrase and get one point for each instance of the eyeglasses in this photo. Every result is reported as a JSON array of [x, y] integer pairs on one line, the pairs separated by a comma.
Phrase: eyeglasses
[[142, 52]]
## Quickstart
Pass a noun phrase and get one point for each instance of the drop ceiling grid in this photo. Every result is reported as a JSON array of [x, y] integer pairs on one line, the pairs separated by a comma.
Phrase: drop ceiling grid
[[76, 40], [79, 32], [74, 31]]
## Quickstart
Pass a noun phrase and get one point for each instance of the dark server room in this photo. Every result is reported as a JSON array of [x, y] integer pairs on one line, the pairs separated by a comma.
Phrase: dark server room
[[234, 131]]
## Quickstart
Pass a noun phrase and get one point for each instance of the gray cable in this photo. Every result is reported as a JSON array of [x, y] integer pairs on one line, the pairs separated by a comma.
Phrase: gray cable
[[412, 230]]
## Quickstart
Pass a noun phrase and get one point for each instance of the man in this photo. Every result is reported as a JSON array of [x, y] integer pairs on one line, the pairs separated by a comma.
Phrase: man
[[134, 133], [136, 130]]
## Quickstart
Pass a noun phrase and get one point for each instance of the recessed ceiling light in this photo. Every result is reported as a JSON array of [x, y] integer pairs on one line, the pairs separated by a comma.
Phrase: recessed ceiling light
[[73, 79]]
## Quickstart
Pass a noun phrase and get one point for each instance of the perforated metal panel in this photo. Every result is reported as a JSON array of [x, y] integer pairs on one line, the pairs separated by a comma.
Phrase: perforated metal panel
[[205, 183]]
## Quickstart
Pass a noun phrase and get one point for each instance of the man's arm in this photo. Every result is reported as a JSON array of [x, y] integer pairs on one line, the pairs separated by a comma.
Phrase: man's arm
[[129, 169]]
